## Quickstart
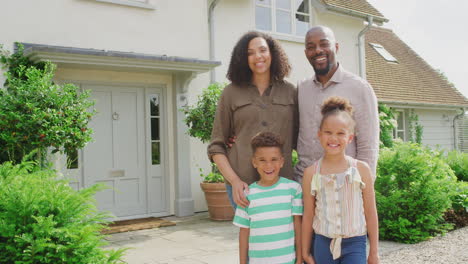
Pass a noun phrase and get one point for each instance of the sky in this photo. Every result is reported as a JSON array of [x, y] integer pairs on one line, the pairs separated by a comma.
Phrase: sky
[[435, 29]]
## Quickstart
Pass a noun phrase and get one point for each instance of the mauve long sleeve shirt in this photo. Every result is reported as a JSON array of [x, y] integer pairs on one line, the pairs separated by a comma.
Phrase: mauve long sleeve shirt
[[311, 93]]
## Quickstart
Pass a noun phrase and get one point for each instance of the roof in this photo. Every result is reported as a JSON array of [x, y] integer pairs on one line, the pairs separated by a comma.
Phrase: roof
[[115, 59], [358, 6], [410, 80]]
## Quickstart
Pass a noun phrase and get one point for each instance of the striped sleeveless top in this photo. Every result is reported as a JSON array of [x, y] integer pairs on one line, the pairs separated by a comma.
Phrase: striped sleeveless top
[[339, 208]]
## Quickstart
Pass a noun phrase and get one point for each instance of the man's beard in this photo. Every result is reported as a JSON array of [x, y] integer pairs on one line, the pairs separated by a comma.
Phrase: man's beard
[[322, 72]]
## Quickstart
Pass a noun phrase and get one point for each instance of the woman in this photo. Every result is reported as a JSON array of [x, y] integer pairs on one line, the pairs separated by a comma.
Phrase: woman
[[258, 99]]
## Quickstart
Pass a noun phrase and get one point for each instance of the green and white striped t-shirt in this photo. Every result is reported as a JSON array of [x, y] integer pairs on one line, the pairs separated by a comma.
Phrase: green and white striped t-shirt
[[270, 219]]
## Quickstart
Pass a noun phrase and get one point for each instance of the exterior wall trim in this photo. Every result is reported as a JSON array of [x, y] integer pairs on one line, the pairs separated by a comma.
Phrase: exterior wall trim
[[416, 105], [115, 59], [128, 3]]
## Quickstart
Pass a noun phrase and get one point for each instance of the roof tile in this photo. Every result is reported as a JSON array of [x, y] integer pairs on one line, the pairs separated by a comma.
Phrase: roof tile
[[411, 80], [356, 5]]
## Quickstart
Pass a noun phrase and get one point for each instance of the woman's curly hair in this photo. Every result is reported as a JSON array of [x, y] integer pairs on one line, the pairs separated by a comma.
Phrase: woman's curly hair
[[239, 71]]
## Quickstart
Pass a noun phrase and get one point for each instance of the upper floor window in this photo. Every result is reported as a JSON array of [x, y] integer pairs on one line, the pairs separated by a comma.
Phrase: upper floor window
[[283, 16], [383, 52]]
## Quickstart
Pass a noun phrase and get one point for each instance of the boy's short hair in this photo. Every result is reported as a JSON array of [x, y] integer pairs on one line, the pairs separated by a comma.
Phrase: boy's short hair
[[266, 139]]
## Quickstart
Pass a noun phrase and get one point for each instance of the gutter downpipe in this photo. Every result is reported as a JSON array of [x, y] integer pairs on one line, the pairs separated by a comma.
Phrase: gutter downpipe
[[211, 37], [361, 48], [455, 141]]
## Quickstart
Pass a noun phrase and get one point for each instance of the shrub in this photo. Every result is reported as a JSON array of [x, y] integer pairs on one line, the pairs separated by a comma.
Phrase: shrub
[[200, 118], [43, 220], [458, 214], [387, 124], [36, 113], [413, 190], [458, 161]]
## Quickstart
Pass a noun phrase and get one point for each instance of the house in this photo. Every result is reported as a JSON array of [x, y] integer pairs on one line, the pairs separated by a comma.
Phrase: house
[[403, 80], [144, 60]]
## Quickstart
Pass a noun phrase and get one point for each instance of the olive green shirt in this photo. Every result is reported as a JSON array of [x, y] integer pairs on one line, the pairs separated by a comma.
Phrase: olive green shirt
[[243, 113]]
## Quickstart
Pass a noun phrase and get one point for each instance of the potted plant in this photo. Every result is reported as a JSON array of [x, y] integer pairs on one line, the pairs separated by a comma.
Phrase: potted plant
[[219, 207], [199, 119]]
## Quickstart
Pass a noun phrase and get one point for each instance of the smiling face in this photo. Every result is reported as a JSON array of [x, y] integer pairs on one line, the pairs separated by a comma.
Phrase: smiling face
[[335, 134], [259, 56], [320, 50], [268, 161]]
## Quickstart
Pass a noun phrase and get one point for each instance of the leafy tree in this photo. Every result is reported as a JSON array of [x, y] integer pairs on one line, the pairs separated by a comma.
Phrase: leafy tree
[[36, 113]]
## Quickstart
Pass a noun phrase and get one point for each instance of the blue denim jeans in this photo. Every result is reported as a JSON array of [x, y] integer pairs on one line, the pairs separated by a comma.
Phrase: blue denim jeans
[[229, 193], [353, 250]]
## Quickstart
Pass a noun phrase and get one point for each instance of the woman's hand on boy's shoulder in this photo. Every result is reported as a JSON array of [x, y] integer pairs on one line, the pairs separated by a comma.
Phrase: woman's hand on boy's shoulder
[[240, 190]]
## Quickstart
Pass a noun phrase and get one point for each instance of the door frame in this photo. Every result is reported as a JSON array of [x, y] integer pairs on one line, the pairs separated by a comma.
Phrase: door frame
[[164, 147], [78, 174]]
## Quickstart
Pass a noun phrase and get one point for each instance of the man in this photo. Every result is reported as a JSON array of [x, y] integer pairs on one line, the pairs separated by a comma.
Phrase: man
[[331, 79]]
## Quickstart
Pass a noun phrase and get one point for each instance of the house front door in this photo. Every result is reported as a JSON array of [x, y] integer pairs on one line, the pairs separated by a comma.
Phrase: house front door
[[117, 156]]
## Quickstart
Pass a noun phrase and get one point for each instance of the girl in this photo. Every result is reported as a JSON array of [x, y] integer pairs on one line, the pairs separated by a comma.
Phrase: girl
[[339, 199]]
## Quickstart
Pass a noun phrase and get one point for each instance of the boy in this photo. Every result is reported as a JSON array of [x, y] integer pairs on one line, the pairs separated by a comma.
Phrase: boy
[[270, 224]]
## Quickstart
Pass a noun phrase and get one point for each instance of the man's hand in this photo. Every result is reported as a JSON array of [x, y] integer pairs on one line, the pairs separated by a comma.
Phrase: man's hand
[[230, 142], [308, 259], [239, 190]]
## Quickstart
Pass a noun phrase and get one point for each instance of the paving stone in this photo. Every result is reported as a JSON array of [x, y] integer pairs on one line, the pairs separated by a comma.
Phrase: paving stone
[[198, 240]]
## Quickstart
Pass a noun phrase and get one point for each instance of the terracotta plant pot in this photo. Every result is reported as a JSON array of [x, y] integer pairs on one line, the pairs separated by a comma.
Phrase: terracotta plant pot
[[219, 207]]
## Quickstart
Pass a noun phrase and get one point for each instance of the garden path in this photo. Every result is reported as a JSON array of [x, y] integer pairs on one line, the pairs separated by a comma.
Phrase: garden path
[[198, 240]]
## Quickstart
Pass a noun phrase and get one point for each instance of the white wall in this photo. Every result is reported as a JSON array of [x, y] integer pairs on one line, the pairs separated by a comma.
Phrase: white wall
[[437, 127], [173, 28]]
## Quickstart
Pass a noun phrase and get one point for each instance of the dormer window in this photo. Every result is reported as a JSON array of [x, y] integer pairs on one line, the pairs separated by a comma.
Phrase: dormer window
[[383, 52], [290, 17]]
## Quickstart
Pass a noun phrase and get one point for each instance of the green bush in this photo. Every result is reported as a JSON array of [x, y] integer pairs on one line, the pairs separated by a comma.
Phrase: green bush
[[387, 124], [458, 161], [36, 113], [458, 214], [414, 187], [200, 118], [43, 220]]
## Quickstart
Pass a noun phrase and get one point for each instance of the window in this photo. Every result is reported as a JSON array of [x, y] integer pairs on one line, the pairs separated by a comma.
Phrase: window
[[291, 17], [400, 130], [383, 52], [72, 160], [155, 129]]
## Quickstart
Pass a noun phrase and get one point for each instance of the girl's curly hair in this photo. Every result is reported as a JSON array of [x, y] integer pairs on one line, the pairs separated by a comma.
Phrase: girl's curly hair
[[239, 71], [336, 105]]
